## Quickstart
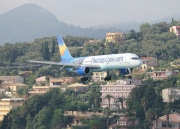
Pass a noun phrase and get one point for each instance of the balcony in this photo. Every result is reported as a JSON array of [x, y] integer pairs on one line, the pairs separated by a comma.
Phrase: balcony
[[123, 91]]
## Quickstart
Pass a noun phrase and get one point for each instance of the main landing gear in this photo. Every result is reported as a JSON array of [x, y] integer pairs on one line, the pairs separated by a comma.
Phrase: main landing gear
[[107, 78], [83, 79]]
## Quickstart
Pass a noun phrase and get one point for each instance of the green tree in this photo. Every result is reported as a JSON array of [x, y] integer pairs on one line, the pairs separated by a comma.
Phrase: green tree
[[144, 103], [107, 113], [59, 120], [121, 100], [108, 97], [167, 111]]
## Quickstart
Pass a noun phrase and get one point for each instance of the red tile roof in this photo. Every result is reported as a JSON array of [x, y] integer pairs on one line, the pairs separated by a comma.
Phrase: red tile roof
[[124, 119], [147, 58], [81, 117]]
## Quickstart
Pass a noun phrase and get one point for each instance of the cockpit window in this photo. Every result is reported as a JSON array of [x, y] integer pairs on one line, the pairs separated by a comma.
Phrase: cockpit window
[[135, 58]]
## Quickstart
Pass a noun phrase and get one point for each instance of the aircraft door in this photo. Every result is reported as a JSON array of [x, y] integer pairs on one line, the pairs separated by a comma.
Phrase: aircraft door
[[126, 60]]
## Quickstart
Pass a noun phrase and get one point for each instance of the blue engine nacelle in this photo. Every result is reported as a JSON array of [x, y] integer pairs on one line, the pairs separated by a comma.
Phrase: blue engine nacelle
[[126, 71], [83, 70]]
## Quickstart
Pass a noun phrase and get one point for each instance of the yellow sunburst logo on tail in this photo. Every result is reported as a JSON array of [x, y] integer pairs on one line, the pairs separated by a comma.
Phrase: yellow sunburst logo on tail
[[62, 49]]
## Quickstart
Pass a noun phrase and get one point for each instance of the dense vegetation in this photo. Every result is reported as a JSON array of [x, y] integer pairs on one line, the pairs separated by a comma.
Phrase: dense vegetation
[[152, 40], [47, 111]]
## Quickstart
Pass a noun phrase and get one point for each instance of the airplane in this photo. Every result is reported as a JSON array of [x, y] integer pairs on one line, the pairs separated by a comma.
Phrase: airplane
[[124, 62]]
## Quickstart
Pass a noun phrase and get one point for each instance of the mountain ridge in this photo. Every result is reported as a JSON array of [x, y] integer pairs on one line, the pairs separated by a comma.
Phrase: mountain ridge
[[30, 21]]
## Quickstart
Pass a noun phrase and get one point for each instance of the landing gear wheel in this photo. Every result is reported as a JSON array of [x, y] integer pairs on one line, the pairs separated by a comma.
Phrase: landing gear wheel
[[83, 79], [130, 77], [107, 78]]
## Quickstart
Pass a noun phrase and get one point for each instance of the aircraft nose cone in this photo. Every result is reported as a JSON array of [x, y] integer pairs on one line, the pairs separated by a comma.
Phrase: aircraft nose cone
[[139, 63]]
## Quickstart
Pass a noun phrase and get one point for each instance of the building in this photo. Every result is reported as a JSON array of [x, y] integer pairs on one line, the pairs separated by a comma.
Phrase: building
[[150, 64], [6, 81], [122, 88], [15, 87], [24, 73], [175, 30], [161, 123], [78, 87], [170, 94], [134, 81], [40, 90], [124, 122], [61, 81], [41, 80], [99, 76], [176, 63], [115, 37], [161, 75], [7, 104]]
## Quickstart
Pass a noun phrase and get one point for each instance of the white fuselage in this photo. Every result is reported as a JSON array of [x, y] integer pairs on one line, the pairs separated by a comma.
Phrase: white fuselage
[[113, 61]]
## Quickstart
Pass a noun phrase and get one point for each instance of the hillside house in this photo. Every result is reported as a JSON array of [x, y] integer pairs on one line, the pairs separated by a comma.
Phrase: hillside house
[[6, 104], [99, 76], [61, 81], [161, 75], [175, 30], [161, 123], [150, 64], [124, 122], [15, 87], [122, 88], [78, 87], [41, 80], [24, 73], [176, 63], [116, 37], [6, 81], [170, 94], [39, 90]]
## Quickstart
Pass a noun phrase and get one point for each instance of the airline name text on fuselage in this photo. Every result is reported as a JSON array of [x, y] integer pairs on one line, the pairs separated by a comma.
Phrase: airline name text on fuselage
[[107, 59]]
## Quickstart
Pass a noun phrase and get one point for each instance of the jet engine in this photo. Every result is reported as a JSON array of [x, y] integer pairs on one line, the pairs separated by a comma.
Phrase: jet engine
[[83, 70], [126, 71]]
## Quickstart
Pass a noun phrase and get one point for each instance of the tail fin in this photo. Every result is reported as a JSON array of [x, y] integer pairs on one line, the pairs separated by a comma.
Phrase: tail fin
[[64, 52]]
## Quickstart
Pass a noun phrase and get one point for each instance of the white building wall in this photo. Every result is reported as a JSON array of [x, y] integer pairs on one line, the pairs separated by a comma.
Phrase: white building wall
[[170, 94], [116, 91]]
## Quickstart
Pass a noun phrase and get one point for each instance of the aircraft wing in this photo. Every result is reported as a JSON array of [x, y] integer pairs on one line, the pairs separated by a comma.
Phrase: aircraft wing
[[64, 64]]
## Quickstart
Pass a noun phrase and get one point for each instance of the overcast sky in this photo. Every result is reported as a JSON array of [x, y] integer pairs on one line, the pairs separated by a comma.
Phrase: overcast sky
[[86, 13]]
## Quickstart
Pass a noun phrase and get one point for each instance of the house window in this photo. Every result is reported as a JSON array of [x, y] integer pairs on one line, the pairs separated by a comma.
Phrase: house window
[[144, 67]]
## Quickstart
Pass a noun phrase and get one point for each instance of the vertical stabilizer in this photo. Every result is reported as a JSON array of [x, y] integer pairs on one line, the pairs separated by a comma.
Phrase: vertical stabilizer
[[64, 52]]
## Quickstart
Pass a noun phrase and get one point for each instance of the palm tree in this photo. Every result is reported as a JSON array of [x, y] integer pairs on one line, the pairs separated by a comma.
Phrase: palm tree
[[121, 100], [108, 96], [132, 119], [107, 113], [167, 111], [149, 116], [144, 103], [156, 114]]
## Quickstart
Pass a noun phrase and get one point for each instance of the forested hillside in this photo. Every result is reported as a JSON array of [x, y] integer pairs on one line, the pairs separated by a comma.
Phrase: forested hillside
[[152, 40], [47, 111]]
